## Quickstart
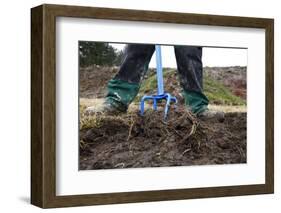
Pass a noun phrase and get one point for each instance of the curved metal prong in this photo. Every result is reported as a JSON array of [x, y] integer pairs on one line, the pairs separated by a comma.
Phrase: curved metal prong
[[155, 98], [174, 99], [167, 105], [154, 103], [142, 103]]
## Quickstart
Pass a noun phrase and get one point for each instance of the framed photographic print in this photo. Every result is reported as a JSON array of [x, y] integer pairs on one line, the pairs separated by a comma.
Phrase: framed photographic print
[[136, 106]]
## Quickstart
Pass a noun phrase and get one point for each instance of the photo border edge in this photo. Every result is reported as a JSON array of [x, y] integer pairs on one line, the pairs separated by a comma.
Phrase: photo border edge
[[43, 106]]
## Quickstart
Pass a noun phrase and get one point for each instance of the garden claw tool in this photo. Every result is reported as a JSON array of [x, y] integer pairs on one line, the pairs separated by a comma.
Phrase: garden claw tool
[[160, 88]]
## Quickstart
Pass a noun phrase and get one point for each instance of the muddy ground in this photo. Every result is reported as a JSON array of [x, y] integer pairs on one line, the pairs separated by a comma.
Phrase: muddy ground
[[132, 141]]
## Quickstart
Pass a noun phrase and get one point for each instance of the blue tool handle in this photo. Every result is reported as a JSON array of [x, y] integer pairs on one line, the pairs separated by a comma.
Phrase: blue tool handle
[[160, 84]]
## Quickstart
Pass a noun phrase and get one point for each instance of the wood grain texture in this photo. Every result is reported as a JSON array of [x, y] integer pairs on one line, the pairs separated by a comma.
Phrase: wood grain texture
[[43, 155], [36, 106], [269, 106], [43, 105]]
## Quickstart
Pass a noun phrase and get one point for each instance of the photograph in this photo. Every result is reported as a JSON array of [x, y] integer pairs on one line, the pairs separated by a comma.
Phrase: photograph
[[133, 106], [159, 105]]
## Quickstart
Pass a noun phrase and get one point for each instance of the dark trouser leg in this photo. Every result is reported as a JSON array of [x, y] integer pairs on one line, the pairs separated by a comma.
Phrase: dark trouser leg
[[190, 69], [123, 88]]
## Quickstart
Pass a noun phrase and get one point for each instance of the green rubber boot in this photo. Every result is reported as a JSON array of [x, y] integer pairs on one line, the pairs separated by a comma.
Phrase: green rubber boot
[[119, 96], [197, 103]]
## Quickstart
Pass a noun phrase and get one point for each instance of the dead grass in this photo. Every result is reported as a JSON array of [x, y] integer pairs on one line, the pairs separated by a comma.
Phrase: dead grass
[[85, 102]]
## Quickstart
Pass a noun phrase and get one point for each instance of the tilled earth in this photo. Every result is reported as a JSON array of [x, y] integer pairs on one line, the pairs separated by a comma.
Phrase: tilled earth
[[132, 141]]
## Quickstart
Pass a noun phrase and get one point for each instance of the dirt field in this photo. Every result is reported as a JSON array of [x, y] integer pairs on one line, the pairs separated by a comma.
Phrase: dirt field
[[131, 141]]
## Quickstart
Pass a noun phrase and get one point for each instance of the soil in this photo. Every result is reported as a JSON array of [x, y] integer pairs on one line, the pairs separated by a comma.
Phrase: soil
[[93, 81], [132, 141]]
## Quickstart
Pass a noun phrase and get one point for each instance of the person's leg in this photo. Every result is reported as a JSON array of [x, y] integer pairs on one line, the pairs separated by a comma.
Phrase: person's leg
[[135, 62], [123, 88], [190, 69]]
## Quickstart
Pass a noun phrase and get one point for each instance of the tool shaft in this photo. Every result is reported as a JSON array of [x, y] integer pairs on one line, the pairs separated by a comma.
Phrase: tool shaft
[[160, 85]]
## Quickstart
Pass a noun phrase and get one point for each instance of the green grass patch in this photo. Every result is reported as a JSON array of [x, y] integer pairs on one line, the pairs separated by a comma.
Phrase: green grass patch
[[216, 92], [149, 85]]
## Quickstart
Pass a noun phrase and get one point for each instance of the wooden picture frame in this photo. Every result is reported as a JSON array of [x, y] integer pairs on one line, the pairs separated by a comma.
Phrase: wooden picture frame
[[43, 105]]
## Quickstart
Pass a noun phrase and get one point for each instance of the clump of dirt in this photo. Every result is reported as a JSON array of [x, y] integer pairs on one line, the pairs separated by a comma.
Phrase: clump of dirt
[[132, 141]]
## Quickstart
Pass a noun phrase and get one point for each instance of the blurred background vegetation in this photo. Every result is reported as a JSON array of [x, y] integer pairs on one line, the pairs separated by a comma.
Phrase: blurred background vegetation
[[98, 53]]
